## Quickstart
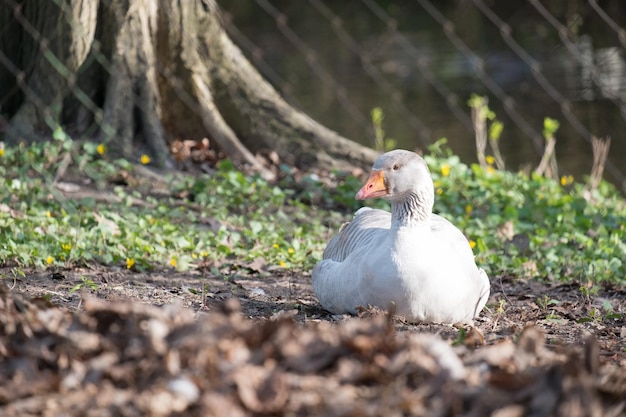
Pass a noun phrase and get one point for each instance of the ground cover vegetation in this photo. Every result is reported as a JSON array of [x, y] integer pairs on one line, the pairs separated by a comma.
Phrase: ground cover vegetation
[[64, 204]]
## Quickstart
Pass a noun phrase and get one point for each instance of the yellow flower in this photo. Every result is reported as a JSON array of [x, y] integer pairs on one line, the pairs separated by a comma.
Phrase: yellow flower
[[101, 149], [439, 191], [282, 264], [490, 169], [48, 214], [1, 152], [472, 244], [468, 209], [145, 159], [290, 251], [490, 159], [445, 170], [275, 246], [194, 256], [204, 254], [173, 262], [49, 260], [567, 180], [66, 247], [129, 263]]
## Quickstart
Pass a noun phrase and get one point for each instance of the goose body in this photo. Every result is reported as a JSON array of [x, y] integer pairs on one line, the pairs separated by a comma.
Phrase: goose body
[[411, 260]]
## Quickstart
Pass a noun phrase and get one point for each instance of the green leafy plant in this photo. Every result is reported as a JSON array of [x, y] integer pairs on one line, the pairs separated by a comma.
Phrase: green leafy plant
[[546, 302], [461, 337], [589, 291], [85, 283], [601, 314], [15, 275], [245, 222]]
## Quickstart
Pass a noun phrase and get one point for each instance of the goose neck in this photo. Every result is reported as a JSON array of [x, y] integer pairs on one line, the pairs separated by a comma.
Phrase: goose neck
[[413, 210]]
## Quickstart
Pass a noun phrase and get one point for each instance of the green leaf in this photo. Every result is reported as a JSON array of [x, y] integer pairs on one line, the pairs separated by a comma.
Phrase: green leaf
[[550, 127]]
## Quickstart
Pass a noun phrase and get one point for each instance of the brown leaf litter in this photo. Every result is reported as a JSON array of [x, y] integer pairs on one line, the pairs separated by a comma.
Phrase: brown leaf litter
[[124, 357]]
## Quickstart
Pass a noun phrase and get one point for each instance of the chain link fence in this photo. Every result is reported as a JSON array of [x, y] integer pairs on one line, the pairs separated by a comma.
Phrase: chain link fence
[[422, 60]]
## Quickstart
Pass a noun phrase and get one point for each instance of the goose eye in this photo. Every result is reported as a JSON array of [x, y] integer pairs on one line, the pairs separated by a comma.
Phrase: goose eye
[[396, 167]]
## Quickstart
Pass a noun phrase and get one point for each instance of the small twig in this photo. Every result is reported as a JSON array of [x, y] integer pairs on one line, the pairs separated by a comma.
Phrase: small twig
[[203, 306], [546, 159], [495, 147], [553, 170], [600, 154], [479, 121], [62, 296]]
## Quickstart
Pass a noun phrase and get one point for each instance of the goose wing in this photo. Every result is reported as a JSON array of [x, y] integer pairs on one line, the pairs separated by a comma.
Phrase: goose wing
[[459, 245], [367, 228]]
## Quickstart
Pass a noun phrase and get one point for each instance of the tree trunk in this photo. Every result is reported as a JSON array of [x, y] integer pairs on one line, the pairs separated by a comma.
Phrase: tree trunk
[[138, 74], [46, 45]]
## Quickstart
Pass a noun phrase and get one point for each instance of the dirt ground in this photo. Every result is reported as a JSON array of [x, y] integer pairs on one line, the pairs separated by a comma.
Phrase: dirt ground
[[170, 343]]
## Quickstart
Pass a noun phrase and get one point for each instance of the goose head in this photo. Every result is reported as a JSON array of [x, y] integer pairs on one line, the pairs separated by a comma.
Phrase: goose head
[[402, 178]]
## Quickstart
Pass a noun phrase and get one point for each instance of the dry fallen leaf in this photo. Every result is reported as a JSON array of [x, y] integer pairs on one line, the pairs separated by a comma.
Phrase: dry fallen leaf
[[120, 357], [261, 389]]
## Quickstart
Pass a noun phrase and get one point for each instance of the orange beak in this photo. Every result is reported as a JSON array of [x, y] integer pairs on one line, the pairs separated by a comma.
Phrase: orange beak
[[374, 187]]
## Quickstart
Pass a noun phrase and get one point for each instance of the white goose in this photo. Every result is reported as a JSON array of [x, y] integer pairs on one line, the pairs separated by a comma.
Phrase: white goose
[[410, 258]]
